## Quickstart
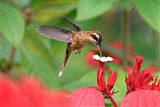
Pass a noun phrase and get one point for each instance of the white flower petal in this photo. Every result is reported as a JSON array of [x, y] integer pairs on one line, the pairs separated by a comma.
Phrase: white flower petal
[[96, 57], [102, 59], [109, 58]]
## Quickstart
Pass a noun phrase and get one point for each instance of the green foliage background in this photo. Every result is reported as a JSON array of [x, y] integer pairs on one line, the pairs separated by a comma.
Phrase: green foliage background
[[42, 57]]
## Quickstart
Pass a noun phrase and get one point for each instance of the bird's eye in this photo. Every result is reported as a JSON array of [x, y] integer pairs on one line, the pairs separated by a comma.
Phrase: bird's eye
[[94, 37], [97, 39]]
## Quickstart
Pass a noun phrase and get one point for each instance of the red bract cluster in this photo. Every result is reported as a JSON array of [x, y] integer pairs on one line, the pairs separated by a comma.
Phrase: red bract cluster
[[140, 93], [106, 90], [136, 79], [29, 93], [90, 96]]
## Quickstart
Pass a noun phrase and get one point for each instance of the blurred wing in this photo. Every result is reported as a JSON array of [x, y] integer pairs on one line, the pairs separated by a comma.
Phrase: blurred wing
[[73, 24], [60, 34]]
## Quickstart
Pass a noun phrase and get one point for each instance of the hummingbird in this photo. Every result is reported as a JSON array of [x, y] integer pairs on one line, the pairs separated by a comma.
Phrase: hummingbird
[[75, 40]]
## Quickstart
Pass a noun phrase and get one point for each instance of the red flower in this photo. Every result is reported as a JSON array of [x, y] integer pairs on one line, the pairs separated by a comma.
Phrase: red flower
[[29, 93], [39, 96], [152, 69], [101, 77], [139, 92], [136, 79], [90, 96], [116, 44], [111, 80], [106, 91], [154, 86], [10, 95]]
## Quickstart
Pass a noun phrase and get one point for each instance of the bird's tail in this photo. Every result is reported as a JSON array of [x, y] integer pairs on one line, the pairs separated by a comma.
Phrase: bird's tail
[[61, 70], [67, 54]]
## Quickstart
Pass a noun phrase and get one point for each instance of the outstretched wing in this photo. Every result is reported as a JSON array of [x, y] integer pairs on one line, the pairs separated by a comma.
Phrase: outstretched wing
[[57, 33], [78, 28]]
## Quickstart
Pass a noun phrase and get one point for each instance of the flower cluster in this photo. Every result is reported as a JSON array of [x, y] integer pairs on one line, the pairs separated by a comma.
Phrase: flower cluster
[[90, 96], [136, 79], [140, 92]]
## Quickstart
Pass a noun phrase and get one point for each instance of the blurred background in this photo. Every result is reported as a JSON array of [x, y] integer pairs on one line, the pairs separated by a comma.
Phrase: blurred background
[[129, 28]]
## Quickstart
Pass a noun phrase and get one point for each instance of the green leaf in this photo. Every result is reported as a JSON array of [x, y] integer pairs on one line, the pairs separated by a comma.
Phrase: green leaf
[[120, 86], [53, 11], [88, 9], [11, 23], [22, 3], [39, 67], [91, 76], [4, 48], [150, 11], [87, 80], [126, 4], [48, 10], [113, 66]]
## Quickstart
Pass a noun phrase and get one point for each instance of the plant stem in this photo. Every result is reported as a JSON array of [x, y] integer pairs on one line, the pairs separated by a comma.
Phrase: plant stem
[[158, 47], [112, 101], [11, 58], [125, 36]]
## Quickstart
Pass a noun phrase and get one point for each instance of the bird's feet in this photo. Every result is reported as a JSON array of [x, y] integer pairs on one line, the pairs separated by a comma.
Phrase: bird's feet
[[77, 51]]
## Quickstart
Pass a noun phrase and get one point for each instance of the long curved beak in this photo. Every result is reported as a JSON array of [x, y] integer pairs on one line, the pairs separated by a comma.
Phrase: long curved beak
[[99, 48]]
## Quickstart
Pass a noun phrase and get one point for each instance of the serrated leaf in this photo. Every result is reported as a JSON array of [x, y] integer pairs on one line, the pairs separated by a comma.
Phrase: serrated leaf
[[88, 9], [150, 11], [11, 23]]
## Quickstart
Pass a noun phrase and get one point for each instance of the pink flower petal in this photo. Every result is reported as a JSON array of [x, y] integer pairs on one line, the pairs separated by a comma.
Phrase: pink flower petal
[[86, 97], [142, 98]]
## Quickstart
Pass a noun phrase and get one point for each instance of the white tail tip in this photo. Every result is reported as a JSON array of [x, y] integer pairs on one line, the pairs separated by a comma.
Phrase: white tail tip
[[60, 73]]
